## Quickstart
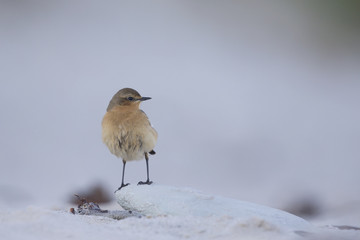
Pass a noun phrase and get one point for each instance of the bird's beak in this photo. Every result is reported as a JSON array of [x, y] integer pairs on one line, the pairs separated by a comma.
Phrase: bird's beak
[[144, 98]]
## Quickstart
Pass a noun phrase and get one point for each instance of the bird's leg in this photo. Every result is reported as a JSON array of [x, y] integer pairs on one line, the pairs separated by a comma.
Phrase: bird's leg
[[148, 182], [123, 173]]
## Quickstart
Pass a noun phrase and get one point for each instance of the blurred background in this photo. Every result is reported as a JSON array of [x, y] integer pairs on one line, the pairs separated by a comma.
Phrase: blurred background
[[254, 100]]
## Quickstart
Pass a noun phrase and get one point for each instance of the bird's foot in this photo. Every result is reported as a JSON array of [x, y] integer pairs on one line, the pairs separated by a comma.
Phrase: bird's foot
[[122, 185], [148, 182]]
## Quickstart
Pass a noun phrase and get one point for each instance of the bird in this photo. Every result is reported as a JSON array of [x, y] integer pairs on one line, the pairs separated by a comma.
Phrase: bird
[[127, 131]]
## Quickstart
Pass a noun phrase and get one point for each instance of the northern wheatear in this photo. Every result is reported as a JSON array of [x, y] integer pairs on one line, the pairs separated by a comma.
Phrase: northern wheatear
[[126, 130]]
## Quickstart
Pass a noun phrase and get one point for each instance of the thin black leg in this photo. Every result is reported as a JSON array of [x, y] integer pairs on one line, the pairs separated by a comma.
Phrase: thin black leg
[[148, 182], [123, 174]]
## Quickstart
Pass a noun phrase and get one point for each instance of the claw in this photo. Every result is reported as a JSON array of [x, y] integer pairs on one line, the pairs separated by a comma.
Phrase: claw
[[122, 185], [148, 182]]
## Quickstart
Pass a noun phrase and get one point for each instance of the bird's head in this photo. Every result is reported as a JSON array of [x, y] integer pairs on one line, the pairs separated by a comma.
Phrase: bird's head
[[126, 97]]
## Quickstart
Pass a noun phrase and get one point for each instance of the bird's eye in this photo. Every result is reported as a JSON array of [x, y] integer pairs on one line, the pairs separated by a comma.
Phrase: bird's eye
[[130, 98]]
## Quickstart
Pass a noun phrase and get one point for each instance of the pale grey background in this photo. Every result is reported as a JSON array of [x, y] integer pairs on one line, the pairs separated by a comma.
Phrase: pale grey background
[[255, 100]]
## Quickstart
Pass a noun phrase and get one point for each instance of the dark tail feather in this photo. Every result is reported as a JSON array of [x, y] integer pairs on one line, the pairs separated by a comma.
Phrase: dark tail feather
[[152, 152]]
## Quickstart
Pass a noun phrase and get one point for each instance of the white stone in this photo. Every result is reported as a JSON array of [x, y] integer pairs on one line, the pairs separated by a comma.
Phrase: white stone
[[156, 200]]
